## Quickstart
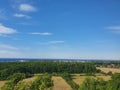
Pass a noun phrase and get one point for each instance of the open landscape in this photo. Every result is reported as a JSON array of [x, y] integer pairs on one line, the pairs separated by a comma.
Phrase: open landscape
[[59, 44], [57, 76]]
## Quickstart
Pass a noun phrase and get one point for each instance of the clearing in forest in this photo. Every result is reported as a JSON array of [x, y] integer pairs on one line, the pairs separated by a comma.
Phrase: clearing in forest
[[106, 70], [60, 83]]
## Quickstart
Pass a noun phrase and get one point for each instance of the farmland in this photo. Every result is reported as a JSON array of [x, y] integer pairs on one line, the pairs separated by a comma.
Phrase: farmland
[[57, 76], [113, 70], [79, 78], [60, 84]]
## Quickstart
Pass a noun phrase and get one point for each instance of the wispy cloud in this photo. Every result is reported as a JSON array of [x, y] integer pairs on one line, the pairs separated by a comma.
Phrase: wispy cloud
[[25, 23], [51, 42], [56, 42], [9, 54], [114, 29], [27, 8], [5, 46], [6, 30], [44, 33], [19, 15]]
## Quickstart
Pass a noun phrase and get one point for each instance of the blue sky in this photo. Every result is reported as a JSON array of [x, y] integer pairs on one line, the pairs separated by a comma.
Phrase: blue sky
[[88, 29]]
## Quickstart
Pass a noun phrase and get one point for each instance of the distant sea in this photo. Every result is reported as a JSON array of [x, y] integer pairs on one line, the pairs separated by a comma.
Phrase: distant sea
[[22, 59], [62, 60]]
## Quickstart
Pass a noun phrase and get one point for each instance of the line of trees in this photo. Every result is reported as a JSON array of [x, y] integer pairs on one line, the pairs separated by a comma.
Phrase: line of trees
[[7, 69], [42, 83], [69, 80]]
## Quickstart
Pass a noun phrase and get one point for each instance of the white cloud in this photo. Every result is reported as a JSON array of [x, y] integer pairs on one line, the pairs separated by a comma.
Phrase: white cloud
[[56, 42], [9, 54], [6, 30], [51, 42], [44, 33], [8, 51], [19, 15], [27, 8], [5, 46], [114, 29]]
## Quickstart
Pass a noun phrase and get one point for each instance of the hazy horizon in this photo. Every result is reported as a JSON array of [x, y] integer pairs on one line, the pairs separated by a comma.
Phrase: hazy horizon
[[73, 29]]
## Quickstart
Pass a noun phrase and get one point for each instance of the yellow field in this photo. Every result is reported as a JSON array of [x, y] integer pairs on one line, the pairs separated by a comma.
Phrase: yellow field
[[78, 79], [106, 70], [2, 83], [60, 83]]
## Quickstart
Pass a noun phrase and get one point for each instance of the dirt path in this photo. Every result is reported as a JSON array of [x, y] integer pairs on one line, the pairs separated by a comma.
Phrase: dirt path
[[60, 83]]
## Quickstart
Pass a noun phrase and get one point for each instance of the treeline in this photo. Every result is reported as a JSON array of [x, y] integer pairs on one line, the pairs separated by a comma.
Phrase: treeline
[[42, 83], [100, 84], [7, 69], [112, 64]]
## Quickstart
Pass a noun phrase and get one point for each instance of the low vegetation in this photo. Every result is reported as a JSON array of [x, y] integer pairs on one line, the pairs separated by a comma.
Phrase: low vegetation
[[100, 84], [13, 80], [79, 78]]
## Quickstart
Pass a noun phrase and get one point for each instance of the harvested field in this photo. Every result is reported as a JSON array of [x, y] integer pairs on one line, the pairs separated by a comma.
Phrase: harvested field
[[60, 83], [106, 70], [2, 83], [78, 79]]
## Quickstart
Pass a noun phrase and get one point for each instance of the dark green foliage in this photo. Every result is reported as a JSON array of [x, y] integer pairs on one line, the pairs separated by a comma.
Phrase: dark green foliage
[[93, 84], [7, 69], [42, 83], [109, 73], [14, 79], [114, 83]]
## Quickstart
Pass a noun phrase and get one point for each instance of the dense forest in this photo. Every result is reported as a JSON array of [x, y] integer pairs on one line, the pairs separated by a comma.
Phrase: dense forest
[[29, 68]]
